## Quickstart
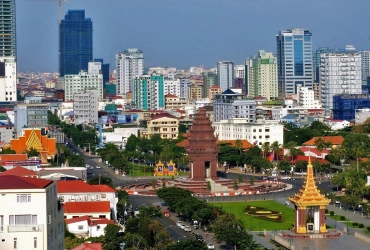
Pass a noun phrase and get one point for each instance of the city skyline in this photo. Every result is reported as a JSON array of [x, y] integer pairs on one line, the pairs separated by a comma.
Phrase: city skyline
[[191, 33]]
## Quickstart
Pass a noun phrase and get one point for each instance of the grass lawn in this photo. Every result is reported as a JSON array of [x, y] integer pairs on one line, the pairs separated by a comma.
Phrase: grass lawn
[[336, 217], [237, 209]]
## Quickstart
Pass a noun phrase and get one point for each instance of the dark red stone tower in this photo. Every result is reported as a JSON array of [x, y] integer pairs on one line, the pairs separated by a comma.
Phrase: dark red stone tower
[[202, 149]]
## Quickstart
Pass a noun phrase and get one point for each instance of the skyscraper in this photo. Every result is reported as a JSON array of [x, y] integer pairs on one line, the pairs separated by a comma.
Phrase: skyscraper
[[8, 65], [262, 75], [225, 72], [75, 43], [129, 65], [294, 54]]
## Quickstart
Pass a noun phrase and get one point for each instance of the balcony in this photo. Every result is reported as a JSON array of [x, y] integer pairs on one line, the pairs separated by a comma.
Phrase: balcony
[[25, 228]]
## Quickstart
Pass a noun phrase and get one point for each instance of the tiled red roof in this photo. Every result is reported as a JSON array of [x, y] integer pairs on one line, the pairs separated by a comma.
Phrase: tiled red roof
[[100, 221], [215, 87], [77, 219], [314, 150], [306, 158], [79, 186], [20, 171], [334, 140], [13, 157], [104, 188], [89, 246], [162, 115], [170, 96], [17, 182], [85, 207]]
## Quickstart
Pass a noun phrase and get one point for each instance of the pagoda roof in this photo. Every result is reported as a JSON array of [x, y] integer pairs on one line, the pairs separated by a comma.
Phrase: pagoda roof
[[228, 92], [309, 195]]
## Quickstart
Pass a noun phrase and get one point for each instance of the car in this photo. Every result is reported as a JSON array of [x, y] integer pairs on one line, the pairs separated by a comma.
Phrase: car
[[98, 167], [187, 229], [91, 168], [179, 223], [286, 178], [210, 246], [182, 226]]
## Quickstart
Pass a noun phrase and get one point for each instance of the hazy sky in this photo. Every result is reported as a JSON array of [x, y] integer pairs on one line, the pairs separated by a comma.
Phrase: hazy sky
[[184, 33]]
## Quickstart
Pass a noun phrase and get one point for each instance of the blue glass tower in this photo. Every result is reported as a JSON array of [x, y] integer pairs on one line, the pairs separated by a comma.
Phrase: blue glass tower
[[295, 66], [104, 70], [75, 43]]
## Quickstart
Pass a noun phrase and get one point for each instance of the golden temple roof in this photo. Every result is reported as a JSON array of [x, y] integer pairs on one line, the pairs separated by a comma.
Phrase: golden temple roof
[[309, 195]]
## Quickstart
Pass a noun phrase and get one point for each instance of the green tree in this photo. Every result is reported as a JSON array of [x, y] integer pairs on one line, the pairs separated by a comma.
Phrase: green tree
[[240, 178], [171, 195], [284, 165], [32, 152], [70, 243], [2, 169], [53, 119], [276, 148], [235, 185], [182, 129], [187, 245], [143, 123], [251, 180], [209, 186], [101, 180], [7, 151], [205, 215], [321, 144], [134, 241], [265, 148], [112, 237]]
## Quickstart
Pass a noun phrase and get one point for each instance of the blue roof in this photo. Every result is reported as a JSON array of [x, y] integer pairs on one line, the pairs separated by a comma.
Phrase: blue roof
[[228, 92], [288, 117]]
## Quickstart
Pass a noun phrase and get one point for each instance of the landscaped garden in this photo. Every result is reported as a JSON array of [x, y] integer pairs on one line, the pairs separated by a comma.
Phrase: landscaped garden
[[260, 215]]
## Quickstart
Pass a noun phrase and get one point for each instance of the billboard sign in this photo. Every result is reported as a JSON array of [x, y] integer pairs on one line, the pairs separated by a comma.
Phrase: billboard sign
[[120, 119], [22, 163]]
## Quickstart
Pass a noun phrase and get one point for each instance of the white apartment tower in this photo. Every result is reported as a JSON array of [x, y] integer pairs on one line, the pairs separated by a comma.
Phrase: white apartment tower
[[225, 72], [365, 64], [85, 107], [8, 65], [295, 64], [262, 75], [83, 81], [306, 98], [171, 87], [185, 88], [129, 65], [340, 73], [239, 71], [32, 218]]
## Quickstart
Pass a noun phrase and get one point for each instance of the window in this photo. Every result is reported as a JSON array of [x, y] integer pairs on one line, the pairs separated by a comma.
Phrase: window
[[97, 227], [35, 242], [24, 219], [23, 198], [103, 195], [15, 243], [1, 223], [80, 227]]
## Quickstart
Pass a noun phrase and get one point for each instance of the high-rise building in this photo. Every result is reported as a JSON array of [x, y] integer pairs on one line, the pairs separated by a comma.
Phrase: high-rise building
[[129, 65], [75, 43], [209, 79], [85, 107], [316, 62], [185, 88], [365, 65], [148, 92], [82, 81], [262, 75], [294, 54], [8, 65], [340, 73], [225, 72], [103, 68]]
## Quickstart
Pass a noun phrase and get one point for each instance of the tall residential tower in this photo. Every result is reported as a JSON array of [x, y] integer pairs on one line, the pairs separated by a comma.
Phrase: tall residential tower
[[129, 65], [75, 43], [225, 72], [8, 66], [294, 54]]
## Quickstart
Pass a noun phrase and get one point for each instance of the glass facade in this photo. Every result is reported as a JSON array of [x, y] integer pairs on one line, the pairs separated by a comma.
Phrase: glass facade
[[7, 28], [75, 43], [344, 106]]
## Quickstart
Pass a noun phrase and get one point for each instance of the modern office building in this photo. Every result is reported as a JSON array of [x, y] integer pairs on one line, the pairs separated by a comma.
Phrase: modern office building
[[365, 66], [294, 55], [31, 114], [225, 72], [262, 75], [340, 73], [233, 105], [85, 107], [148, 92], [99, 67], [82, 81], [209, 79], [345, 105], [8, 65], [75, 43], [129, 65], [316, 56], [33, 218]]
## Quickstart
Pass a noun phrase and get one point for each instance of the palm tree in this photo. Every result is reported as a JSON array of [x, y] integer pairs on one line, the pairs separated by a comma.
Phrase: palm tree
[[265, 148], [321, 144], [291, 146], [276, 148]]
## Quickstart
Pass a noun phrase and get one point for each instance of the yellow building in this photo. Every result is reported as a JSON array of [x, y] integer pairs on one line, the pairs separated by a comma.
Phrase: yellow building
[[196, 92], [173, 102], [214, 90], [164, 125]]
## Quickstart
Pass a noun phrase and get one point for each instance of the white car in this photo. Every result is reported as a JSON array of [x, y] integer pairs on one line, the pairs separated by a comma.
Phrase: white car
[[286, 178], [98, 167], [187, 229], [182, 226], [179, 223], [210, 246]]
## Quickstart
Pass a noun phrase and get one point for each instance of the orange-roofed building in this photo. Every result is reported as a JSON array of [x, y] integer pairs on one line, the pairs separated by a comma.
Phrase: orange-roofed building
[[334, 140], [89, 246], [20, 171], [214, 90], [245, 143], [33, 138], [80, 191], [164, 125], [87, 226], [97, 209]]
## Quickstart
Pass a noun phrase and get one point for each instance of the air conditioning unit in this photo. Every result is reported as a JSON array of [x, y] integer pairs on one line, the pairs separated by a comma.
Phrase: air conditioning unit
[[35, 228]]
